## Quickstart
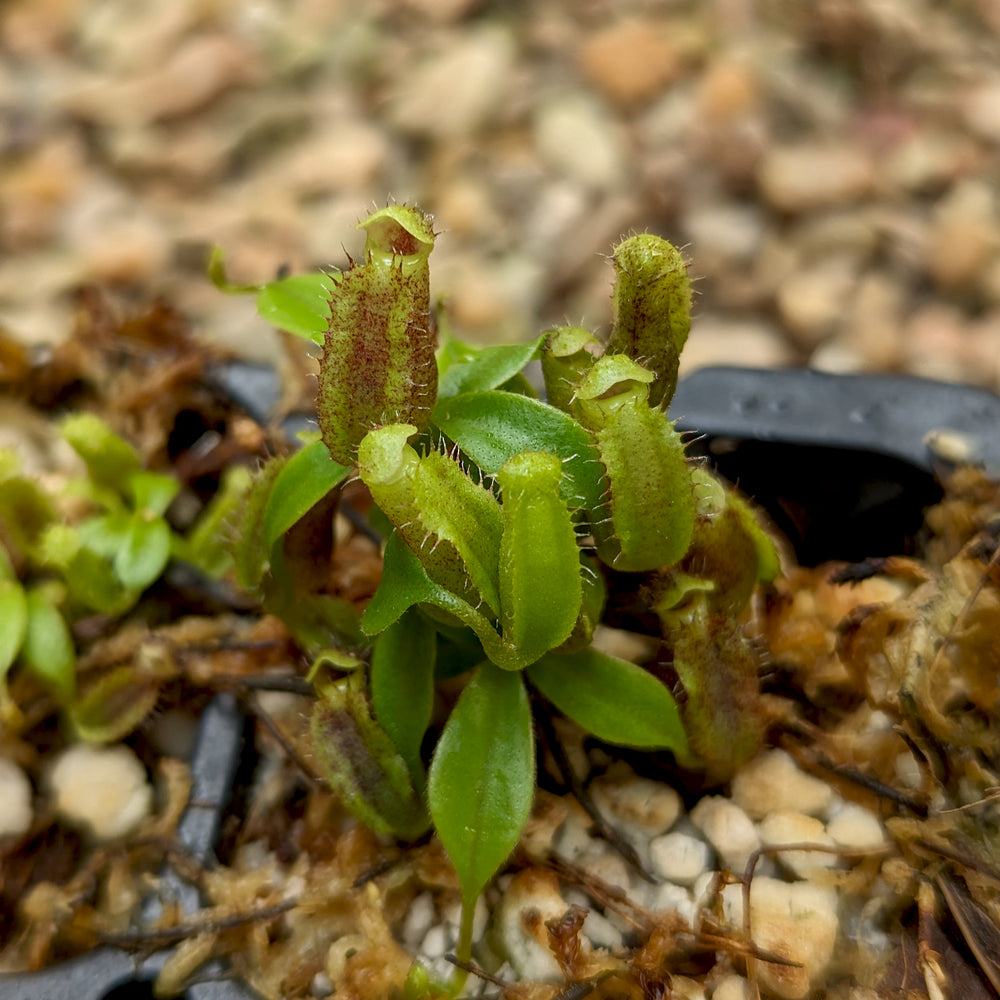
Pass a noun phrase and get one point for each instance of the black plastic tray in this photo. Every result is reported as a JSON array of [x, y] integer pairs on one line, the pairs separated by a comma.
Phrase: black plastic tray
[[842, 464]]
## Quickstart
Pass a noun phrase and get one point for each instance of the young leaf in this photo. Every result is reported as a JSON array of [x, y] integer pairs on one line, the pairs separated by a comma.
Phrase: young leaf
[[652, 309], [378, 361], [491, 427], [362, 765], [48, 646], [25, 512], [217, 275], [482, 777], [452, 523], [540, 587], [615, 700], [152, 492], [402, 683], [299, 304], [208, 545], [308, 476], [144, 553], [487, 368], [109, 459], [567, 355]]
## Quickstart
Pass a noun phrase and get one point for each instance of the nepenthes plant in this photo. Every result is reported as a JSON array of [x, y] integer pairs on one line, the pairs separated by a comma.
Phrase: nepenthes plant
[[512, 525]]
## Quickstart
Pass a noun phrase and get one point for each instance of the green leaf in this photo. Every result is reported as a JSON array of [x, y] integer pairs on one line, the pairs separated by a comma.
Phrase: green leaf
[[144, 553], [487, 368], [93, 583], [251, 555], [540, 586], [48, 651], [208, 545], [492, 427], [482, 777], [362, 765], [152, 492], [110, 460], [615, 700], [303, 481], [299, 304], [402, 683], [13, 623]]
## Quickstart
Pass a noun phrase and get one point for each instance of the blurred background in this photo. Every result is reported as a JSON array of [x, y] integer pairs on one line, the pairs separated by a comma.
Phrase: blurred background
[[831, 167]]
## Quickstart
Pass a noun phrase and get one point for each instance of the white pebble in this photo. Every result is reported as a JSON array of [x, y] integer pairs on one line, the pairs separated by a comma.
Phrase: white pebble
[[671, 897], [419, 919], [679, 857], [731, 988], [728, 829], [773, 782], [577, 138], [102, 790], [797, 921], [789, 827], [15, 794], [520, 933], [436, 942], [856, 828], [622, 795], [600, 932]]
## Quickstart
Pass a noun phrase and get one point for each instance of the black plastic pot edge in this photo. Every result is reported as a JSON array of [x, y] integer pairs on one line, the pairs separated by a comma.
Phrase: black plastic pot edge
[[842, 463]]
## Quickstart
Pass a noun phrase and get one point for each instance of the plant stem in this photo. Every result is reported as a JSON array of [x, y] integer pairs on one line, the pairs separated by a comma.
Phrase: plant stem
[[464, 950]]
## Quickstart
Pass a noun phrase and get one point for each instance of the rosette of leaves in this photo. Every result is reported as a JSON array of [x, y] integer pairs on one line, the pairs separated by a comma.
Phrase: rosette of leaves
[[505, 516], [54, 571]]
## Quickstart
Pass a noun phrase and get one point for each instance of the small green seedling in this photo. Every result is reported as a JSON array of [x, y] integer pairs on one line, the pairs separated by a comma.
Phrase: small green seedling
[[53, 572], [506, 517]]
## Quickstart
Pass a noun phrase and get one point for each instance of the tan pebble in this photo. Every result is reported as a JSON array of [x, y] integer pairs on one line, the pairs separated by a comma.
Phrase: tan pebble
[[578, 139], [934, 342], [33, 192], [772, 781], [812, 300], [443, 11], [345, 156], [800, 178], [873, 320], [630, 61], [716, 340], [965, 235], [837, 358], [626, 645], [981, 109], [790, 827], [198, 72], [127, 251], [456, 90], [727, 90]]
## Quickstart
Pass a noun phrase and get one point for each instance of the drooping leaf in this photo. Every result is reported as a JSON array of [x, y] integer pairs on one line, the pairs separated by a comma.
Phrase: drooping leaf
[[482, 777], [362, 765], [487, 368], [402, 683], [540, 587], [378, 362], [299, 304], [48, 651], [615, 700], [492, 427], [308, 476]]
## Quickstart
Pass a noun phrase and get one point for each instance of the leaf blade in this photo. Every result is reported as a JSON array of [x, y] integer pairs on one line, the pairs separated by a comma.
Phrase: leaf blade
[[482, 777]]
